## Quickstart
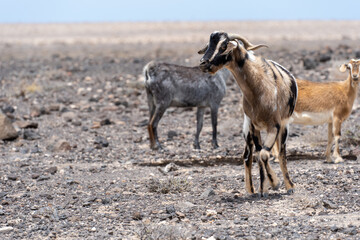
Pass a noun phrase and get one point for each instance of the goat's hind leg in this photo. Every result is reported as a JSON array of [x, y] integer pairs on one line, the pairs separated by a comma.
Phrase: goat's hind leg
[[290, 187], [154, 140]]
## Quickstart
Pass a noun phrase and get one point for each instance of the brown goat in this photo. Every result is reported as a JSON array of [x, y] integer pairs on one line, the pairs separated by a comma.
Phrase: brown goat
[[330, 103], [269, 97]]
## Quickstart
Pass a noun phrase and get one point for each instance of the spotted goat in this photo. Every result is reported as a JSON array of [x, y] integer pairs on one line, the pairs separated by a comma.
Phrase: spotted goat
[[269, 98], [331, 103], [170, 85]]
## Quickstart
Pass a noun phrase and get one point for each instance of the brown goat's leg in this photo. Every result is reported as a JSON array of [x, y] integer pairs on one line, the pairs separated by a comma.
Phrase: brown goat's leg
[[248, 154], [337, 134], [275, 150], [330, 143], [265, 157], [151, 136], [248, 160], [283, 162]]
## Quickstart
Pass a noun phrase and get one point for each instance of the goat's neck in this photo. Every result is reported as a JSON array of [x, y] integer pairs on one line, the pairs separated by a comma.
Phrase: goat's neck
[[351, 87], [246, 78]]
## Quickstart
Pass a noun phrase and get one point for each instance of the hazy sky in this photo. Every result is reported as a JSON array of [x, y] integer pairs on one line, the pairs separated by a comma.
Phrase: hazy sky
[[30, 11]]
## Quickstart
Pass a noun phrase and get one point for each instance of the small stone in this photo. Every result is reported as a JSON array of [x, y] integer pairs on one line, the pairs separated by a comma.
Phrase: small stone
[[2, 213], [35, 176], [170, 167], [211, 212], [7, 131], [101, 142], [69, 116], [52, 170], [208, 192], [31, 135], [171, 134], [93, 229], [43, 178], [6, 229], [309, 64], [12, 177], [137, 216], [170, 209], [329, 204], [105, 122]]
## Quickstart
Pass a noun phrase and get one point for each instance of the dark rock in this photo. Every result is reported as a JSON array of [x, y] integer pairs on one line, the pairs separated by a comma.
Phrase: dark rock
[[171, 134], [309, 63], [12, 177], [35, 149], [324, 57], [105, 122], [171, 210], [8, 109], [84, 129], [7, 131], [30, 134], [101, 142], [357, 54], [26, 124], [52, 170], [35, 176], [137, 216]]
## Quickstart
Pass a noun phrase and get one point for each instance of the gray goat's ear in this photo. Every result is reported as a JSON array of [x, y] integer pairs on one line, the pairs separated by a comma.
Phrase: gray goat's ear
[[203, 50], [343, 67]]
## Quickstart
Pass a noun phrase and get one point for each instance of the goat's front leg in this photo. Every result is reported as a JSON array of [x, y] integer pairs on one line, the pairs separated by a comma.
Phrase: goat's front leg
[[248, 155], [337, 133], [199, 125], [330, 143], [214, 112], [264, 159], [290, 187]]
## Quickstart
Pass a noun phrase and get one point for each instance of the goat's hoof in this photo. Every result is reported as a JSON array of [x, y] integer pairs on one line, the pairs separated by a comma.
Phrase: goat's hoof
[[264, 194], [215, 145], [196, 146], [338, 160], [276, 187], [291, 191]]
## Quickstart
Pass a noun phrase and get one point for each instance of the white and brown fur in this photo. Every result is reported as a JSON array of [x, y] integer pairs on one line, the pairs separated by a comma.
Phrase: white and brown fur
[[331, 103], [269, 97]]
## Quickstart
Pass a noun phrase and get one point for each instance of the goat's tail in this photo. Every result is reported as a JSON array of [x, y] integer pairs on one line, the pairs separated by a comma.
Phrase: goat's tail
[[146, 70]]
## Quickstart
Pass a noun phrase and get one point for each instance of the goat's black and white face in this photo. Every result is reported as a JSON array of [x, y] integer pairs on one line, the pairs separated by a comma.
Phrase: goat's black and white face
[[220, 51], [354, 68], [217, 52]]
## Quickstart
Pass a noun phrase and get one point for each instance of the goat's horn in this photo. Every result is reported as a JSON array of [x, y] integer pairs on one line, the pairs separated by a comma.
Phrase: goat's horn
[[247, 44]]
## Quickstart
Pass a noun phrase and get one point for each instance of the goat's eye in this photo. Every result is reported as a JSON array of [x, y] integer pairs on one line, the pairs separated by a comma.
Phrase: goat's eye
[[223, 47]]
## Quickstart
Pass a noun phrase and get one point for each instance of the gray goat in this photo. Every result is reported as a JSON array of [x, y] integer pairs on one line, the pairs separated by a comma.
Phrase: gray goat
[[169, 85]]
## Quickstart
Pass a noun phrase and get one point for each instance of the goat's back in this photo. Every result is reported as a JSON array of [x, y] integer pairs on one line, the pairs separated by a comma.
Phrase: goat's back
[[185, 86]]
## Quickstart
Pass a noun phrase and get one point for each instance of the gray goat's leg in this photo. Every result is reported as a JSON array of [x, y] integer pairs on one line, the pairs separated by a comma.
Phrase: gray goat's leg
[[214, 112], [154, 140], [199, 124]]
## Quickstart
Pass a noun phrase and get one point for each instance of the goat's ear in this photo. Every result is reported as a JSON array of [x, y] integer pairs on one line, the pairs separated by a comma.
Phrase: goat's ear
[[231, 46], [343, 67], [203, 50]]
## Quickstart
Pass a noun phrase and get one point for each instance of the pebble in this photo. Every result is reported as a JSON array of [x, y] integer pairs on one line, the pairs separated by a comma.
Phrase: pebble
[[6, 229]]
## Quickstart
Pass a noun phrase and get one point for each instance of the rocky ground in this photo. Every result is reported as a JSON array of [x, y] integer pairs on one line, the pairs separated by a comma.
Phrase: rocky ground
[[81, 167]]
